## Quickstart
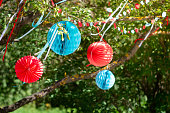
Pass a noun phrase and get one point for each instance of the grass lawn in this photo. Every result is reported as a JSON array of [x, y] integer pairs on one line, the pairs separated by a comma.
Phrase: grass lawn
[[31, 109]]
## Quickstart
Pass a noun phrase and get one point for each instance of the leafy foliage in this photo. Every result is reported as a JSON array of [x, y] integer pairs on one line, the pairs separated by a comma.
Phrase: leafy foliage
[[142, 84]]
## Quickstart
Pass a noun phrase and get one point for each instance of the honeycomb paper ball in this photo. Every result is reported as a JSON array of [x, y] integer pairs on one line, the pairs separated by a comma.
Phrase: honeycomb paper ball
[[66, 46], [105, 79], [29, 69], [100, 54]]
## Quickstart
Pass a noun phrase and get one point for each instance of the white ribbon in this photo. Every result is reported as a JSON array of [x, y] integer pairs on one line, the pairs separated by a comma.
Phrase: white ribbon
[[110, 17], [146, 35], [52, 38], [114, 20]]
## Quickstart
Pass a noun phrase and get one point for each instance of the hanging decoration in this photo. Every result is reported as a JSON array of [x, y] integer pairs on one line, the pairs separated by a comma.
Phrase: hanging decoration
[[67, 41], [13, 29], [3, 33], [99, 54], [105, 79], [80, 24], [29, 69], [63, 37], [40, 21]]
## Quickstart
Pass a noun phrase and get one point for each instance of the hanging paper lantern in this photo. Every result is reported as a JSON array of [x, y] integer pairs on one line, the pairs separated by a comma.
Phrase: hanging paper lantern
[[105, 79], [99, 54], [64, 43], [29, 69]]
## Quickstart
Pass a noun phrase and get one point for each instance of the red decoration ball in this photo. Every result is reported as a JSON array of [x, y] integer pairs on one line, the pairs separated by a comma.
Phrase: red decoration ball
[[29, 69], [100, 54]]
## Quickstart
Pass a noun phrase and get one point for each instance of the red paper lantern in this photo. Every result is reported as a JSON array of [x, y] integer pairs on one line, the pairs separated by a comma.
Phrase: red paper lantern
[[100, 54], [29, 69]]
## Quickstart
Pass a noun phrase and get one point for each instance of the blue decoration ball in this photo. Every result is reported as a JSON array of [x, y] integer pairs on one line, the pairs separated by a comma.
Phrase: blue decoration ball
[[66, 46], [105, 79]]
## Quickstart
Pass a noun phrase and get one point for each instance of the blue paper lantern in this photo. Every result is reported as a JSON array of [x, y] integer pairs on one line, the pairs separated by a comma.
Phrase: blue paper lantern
[[70, 41], [105, 79]]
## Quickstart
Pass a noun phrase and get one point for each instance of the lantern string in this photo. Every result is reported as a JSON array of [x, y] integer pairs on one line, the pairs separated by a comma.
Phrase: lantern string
[[61, 1], [43, 50], [38, 23], [33, 27], [117, 16], [3, 33], [147, 35], [20, 84], [49, 13], [52, 38], [153, 32], [12, 30], [46, 45], [111, 16], [138, 39], [159, 27], [99, 32]]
